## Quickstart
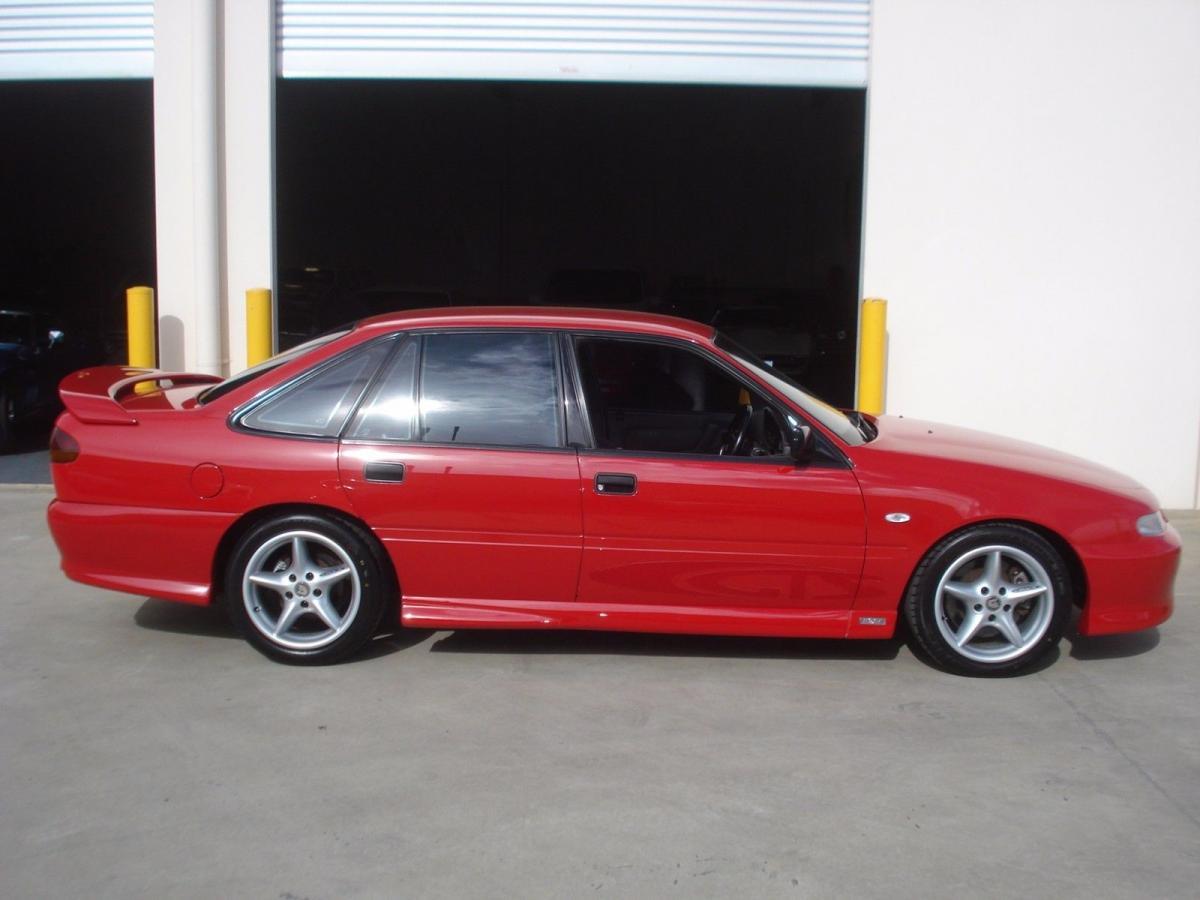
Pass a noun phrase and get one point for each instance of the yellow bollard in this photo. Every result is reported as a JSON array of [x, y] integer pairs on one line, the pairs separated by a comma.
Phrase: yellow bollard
[[139, 311], [259, 332], [872, 356]]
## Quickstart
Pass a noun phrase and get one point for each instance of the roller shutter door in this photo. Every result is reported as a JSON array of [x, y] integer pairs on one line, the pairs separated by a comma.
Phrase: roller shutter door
[[43, 39], [686, 41]]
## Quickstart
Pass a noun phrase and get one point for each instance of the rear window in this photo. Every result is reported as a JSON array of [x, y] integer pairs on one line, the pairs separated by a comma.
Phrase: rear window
[[232, 384]]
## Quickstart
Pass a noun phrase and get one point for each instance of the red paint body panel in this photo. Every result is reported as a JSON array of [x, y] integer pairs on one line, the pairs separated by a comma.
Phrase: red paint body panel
[[93, 395], [1131, 585], [721, 533], [946, 478], [470, 524], [160, 552], [656, 617], [506, 538]]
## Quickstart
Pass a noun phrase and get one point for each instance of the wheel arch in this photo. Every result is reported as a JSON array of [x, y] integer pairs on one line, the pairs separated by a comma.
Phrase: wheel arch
[[247, 521], [1075, 567]]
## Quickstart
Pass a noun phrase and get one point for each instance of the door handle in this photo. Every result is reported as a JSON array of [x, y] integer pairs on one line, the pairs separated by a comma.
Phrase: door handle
[[615, 483], [384, 471]]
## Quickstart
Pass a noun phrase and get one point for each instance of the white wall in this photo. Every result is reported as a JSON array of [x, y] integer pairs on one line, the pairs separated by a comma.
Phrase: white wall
[[1033, 217]]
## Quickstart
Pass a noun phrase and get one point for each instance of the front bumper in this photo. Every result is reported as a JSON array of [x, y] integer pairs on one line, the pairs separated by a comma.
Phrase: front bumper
[[1131, 587]]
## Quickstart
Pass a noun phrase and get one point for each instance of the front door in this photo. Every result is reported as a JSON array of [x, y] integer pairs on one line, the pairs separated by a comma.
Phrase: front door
[[689, 498], [458, 461]]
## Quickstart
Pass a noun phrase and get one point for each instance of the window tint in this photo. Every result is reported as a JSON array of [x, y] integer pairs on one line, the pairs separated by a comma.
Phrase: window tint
[[490, 388], [230, 384], [388, 413], [318, 404], [642, 395]]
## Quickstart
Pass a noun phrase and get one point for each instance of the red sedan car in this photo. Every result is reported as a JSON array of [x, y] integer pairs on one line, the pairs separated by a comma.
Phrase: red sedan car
[[555, 468]]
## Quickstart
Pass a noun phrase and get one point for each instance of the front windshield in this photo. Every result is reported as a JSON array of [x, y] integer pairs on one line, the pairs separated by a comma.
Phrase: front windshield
[[230, 384], [830, 417]]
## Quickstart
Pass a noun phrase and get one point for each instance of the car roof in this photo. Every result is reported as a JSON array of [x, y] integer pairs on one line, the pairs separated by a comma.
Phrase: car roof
[[566, 317]]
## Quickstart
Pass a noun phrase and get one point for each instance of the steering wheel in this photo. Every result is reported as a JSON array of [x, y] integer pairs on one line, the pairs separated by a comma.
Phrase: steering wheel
[[735, 436]]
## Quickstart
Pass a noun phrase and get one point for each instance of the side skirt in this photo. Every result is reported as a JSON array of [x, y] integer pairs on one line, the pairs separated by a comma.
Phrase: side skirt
[[438, 613]]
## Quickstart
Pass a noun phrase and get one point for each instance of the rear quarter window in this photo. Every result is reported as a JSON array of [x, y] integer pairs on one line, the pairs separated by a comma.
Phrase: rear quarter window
[[318, 403]]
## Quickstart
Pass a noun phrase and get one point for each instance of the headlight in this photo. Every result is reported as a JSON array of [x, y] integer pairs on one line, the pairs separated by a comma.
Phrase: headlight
[[1152, 524]]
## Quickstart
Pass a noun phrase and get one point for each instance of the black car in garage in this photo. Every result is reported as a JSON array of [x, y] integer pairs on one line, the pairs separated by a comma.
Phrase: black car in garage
[[32, 362]]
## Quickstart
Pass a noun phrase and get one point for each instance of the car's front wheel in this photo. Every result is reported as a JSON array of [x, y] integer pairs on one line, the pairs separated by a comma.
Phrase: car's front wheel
[[990, 600], [307, 589]]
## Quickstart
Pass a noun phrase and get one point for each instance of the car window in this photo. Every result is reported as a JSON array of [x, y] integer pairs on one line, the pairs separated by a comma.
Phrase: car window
[[649, 396], [831, 417], [231, 384], [387, 415], [496, 387], [317, 404]]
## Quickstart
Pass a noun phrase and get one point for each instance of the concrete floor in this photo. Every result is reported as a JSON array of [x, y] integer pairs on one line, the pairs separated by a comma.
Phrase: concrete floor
[[146, 752]]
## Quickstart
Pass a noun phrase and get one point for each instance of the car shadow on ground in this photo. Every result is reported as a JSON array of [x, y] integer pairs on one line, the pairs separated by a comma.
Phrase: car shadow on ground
[[180, 618], [616, 643], [1113, 646], [212, 621]]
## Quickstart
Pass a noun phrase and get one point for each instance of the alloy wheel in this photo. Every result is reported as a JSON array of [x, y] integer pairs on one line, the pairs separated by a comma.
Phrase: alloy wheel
[[301, 590], [994, 603]]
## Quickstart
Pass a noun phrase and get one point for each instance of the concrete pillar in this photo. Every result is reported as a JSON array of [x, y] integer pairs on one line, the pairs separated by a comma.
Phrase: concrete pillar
[[214, 122], [249, 72], [186, 175]]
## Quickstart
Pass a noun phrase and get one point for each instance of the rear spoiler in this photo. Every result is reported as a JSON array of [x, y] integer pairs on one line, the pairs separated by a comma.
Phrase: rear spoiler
[[93, 395]]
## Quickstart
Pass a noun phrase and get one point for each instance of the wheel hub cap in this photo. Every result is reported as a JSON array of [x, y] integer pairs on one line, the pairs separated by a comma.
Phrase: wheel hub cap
[[994, 603], [301, 590]]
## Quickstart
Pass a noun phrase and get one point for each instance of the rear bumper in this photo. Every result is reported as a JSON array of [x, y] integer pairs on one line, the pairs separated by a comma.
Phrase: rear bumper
[[1133, 588], [165, 553]]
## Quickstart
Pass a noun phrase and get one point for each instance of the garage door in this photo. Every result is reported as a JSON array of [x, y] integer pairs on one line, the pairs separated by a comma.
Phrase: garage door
[[52, 39], [806, 42]]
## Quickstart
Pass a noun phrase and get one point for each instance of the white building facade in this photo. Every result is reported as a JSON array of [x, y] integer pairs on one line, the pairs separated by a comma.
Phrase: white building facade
[[1032, 179]]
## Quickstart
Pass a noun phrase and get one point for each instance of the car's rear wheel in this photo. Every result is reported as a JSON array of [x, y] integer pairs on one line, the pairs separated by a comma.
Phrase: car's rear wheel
[[991, 600], [7, 421], [306, 589]]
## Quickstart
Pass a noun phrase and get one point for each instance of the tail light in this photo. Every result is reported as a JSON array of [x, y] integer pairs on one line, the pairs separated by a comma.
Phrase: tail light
[[63, 447]]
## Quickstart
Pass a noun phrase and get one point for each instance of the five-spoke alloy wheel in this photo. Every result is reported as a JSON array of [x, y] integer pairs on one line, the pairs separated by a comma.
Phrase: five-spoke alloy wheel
[[306, 589], [990, 600]]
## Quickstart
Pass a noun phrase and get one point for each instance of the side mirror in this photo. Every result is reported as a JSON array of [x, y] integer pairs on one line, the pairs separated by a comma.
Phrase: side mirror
[[803, 444], [54, 338]]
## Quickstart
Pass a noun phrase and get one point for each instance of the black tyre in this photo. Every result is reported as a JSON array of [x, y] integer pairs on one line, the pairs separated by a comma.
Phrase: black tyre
[[7, 421], [990, 600], [307, 589]]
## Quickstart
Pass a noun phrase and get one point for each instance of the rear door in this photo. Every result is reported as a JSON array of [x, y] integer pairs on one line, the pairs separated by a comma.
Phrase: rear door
[[458, 460], [671, 520]]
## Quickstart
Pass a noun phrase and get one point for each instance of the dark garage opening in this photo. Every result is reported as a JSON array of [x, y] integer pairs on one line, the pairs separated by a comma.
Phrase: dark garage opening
[[735, 204], [77, 177]]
